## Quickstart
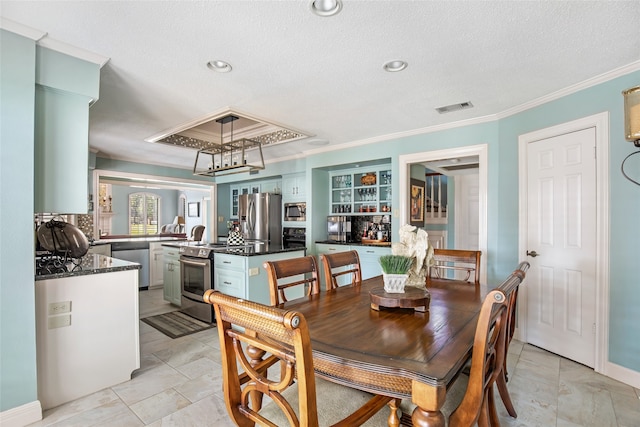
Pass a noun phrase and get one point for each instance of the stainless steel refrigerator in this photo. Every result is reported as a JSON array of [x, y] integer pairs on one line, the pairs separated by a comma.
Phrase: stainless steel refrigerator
[[260, 217]]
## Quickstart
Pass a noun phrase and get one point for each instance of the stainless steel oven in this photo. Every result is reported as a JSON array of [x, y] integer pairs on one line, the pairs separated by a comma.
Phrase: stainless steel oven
[[196, 277]]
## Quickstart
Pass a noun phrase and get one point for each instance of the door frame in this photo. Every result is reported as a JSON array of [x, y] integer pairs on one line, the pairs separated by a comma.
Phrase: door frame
[[600, 122], [480, 150]]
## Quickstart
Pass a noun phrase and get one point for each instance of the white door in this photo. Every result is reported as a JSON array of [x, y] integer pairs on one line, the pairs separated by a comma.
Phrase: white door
[[561, 217], [466, 213]]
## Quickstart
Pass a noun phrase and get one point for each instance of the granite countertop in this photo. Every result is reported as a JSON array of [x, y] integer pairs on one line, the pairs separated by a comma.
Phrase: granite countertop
[[377, 244], [253, 251], [91, 264], [161, 238], [245, 250]]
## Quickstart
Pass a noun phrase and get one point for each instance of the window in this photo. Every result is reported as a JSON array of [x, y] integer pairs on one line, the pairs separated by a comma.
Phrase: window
[[144, 213]]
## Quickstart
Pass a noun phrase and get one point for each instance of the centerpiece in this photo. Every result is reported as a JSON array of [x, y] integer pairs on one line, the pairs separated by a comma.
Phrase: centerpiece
[[394, 272], [414, 243]]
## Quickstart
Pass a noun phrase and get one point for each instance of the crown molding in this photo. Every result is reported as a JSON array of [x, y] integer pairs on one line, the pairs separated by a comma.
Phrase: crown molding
[[21, 30]]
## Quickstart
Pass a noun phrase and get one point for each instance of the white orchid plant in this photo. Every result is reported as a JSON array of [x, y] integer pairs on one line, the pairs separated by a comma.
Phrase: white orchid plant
[[414, 243]]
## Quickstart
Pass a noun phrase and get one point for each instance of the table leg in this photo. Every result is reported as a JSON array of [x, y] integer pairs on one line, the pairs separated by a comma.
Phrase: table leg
[[429, 401]]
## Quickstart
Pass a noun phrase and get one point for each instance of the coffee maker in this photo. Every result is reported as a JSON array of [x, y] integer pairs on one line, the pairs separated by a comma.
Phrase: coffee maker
[[341, 229]]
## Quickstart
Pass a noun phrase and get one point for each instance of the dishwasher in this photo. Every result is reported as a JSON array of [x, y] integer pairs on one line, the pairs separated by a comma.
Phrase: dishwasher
[[134, 252]]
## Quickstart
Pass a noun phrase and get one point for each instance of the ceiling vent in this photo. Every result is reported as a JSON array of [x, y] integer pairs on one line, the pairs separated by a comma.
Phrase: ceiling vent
[[454, 107]]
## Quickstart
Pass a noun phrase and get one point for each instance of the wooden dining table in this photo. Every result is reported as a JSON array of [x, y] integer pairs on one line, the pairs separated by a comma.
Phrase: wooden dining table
[[396, 352]]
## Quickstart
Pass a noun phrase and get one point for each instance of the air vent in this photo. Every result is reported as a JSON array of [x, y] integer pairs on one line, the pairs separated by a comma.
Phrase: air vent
[[454, 107]]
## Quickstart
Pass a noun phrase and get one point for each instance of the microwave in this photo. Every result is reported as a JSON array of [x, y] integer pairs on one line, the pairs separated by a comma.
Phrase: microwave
[[295, 211]]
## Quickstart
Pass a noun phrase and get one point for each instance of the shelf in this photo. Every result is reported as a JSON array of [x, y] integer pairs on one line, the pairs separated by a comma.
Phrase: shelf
[[361, 191]]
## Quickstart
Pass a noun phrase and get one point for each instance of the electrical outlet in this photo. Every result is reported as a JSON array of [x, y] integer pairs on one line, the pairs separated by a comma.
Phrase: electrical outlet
[[220, 218], [59, 307], [253, 271], [59, 321]]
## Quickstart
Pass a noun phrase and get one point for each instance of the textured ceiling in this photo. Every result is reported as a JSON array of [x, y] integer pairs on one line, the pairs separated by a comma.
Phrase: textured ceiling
[[323, 76]]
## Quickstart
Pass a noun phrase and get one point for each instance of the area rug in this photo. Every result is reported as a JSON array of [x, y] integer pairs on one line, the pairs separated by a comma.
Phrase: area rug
[[177, 324]]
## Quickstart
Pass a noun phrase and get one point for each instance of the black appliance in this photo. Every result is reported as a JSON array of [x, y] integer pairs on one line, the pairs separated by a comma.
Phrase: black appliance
[[196, 277], [294, 237]]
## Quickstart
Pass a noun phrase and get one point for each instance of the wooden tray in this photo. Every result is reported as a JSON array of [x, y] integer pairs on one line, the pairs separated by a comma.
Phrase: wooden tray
[[415, 298], [374, 242]]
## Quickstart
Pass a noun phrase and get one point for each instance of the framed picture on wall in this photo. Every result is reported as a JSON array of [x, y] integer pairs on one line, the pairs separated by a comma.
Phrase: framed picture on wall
[[194, 209], [416, 202]]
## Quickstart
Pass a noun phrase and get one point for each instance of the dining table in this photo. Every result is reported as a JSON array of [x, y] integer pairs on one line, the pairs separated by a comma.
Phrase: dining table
[[398, 352]]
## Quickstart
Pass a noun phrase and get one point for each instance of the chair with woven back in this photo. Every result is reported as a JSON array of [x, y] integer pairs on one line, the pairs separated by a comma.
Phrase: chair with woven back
[[283, 336], [477, 402], [341, 264], [456, 260], [503, 378], [288, 273]]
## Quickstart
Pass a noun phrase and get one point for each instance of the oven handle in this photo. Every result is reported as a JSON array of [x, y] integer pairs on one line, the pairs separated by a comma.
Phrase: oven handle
[[195, 263]]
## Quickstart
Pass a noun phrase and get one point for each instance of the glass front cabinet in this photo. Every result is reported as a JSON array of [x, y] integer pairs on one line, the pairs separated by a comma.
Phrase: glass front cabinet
[[361, 191]]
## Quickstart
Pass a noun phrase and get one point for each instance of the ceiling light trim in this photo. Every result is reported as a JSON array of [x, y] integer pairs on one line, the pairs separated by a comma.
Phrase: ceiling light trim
[[395, 66], [219, 66], [323, 11]]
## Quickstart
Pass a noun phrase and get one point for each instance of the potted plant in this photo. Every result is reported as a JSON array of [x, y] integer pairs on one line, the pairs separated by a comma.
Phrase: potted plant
[[395, 272]]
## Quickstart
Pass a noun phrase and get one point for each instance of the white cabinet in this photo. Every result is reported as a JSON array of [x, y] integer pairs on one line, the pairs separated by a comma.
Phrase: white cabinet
[[293, 187], [236, 191], [171, 274], [156, 265]]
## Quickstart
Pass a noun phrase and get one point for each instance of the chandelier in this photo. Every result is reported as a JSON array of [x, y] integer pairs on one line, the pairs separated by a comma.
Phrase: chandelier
[[227, 158]]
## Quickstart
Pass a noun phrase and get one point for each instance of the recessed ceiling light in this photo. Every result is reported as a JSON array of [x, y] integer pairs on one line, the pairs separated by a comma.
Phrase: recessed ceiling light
[[219, 66], [393, 66], [326, 7]]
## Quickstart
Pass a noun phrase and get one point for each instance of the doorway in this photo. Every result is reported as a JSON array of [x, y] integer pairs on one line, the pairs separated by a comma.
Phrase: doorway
[[563, 219], [481, 151]]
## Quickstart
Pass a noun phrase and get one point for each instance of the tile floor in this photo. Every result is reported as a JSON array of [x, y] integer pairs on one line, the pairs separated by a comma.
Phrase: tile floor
[[178, 384]]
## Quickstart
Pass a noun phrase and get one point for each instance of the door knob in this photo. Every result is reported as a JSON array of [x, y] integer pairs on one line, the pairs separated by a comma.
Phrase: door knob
[[532, 254]]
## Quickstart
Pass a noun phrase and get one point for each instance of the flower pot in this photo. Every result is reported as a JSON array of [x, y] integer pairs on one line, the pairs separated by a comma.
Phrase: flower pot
[[394, 283]]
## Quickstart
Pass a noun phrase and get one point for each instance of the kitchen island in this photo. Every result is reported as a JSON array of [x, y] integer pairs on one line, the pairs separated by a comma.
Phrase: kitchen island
[[87, 328], [237, 270]]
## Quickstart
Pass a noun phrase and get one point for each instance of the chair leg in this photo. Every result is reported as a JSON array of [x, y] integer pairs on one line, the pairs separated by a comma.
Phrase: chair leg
[[504, 394], [493, 413], [394, 420]]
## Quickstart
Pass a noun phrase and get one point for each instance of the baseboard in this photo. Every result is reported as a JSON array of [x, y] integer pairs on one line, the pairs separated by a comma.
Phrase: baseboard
[[622, 374], [22, 415]]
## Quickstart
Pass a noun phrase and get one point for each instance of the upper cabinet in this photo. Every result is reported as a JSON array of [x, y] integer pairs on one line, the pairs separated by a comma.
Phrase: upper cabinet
[[65, 87], [266, 186], [361, 191], [293, 187]]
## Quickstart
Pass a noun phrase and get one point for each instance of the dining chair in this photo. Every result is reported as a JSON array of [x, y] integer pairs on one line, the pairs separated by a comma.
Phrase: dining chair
[[340, 264], [456, 260], [503, 378], [287, 273], [478, 403], [197, 232], [283, 337]]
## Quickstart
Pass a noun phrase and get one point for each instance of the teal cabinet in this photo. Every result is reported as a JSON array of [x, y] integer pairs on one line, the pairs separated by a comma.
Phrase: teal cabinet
[[245, 276], [361, 191], [369, 259], [171, 275]]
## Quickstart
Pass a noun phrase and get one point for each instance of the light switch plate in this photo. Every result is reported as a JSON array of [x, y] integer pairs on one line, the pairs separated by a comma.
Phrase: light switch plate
[[59, 321], [253, 271], [59, 307]]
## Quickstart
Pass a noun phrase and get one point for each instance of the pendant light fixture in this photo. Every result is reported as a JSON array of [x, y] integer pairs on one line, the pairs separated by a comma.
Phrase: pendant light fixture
[[227, 158]]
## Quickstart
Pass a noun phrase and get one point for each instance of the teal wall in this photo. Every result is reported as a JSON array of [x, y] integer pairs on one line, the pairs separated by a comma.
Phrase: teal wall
[[17, 336], [18, 381]]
